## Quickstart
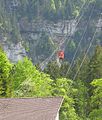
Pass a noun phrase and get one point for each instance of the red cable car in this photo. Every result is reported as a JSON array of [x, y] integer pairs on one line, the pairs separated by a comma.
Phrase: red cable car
[[61, 54]]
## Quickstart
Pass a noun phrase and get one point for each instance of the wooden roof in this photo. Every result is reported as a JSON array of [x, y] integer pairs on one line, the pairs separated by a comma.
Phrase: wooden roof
[[29, 108]]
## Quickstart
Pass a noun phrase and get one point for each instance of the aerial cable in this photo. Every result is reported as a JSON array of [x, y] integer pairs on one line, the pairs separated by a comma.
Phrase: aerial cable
[[80, 41], [83, 12], [85, 56], [63, 22], [75, 18], [49, 31], [42, 65], [77, 21], [91, 42], [79, 18], [46, 60], [70, 3]]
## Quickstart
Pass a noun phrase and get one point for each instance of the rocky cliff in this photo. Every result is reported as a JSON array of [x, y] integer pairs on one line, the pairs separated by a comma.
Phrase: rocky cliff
[[31, 34]]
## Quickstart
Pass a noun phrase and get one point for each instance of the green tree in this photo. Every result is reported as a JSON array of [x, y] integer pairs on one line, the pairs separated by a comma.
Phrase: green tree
[[53, 70], [63, 87], [96, 100], [45, 46], [80, 71], [28, 81], [95, 65], [64, 69], [5, 81], [81, 99]]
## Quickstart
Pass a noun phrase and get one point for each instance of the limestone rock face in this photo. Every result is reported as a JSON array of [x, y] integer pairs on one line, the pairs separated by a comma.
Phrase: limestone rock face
[[32, 35], [14, 52]]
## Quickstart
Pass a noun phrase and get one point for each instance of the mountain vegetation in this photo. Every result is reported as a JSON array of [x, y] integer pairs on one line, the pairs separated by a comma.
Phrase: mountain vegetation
[[78, 78], [82, 96], [20, 21]]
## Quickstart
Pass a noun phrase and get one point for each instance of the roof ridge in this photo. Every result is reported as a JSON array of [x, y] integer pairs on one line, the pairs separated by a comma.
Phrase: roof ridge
[[35, 97]]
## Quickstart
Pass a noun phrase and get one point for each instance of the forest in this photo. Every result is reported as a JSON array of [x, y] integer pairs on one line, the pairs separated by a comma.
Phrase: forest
[[82, 94], [79, 77], [19, 18]]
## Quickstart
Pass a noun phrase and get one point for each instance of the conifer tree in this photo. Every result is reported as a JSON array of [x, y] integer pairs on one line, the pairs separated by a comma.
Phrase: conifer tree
[[96, 100], [53, 70], [81, 98], [95, 65], [64, 87]]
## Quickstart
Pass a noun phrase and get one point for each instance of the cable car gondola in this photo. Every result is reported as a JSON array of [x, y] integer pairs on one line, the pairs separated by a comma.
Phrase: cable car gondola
[[61, 55]]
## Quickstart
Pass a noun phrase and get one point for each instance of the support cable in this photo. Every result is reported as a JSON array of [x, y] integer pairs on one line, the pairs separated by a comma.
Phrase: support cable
[[80, 40], [78, 19], [45, 62], [91, 42]]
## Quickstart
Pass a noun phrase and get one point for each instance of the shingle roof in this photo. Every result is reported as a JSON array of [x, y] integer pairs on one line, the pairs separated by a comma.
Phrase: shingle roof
[[29, 108]]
